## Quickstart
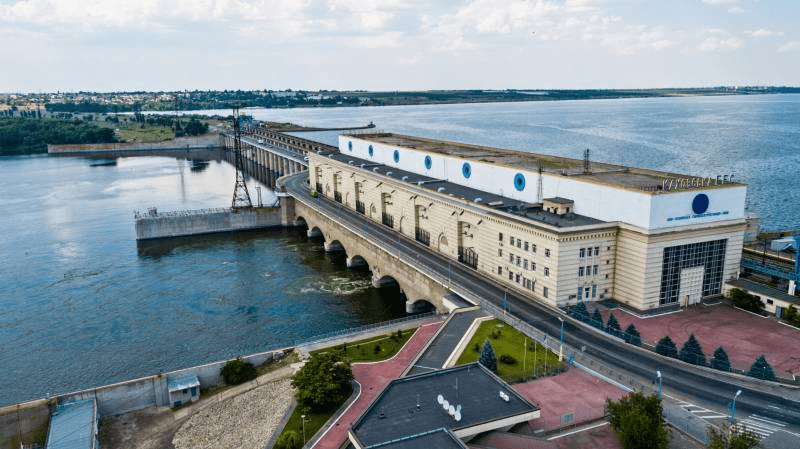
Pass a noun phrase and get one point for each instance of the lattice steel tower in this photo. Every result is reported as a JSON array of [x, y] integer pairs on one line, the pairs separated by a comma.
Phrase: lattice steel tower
[[241, 197]]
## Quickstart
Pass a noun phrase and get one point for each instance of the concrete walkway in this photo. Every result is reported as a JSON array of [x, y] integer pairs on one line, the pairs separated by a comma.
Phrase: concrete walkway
[[373, 377], [445, 342]]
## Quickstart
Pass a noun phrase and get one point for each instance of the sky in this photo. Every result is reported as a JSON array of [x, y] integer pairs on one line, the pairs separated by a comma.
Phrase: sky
[[153, 45]]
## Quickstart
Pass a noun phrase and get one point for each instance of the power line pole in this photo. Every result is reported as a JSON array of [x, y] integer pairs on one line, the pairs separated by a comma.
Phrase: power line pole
[[241, 197]]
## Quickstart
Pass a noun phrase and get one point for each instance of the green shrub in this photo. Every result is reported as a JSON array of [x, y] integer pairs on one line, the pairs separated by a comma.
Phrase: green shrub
[[377, 349], [507, 359], [237, 371], [746, 301], [289, 440]]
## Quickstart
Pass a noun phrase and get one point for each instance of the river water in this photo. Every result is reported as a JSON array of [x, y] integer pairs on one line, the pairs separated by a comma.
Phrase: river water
[[80, 307]]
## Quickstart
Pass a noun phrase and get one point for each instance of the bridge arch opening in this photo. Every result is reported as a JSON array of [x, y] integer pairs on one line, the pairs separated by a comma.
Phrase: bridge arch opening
[[419, 306], [300, 223], [333, 246], [315, 233], [357, 262]]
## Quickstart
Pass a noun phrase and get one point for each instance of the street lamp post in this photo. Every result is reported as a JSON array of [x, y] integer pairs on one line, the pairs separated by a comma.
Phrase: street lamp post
[[659, 384], [561, 344], [733, 407], [303, 417]]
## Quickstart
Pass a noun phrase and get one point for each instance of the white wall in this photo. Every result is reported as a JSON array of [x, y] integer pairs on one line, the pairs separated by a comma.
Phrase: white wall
[[594, 200]]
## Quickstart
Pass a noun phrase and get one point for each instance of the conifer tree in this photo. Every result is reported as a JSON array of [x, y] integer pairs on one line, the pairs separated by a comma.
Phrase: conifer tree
[[597, 319], [667, 347], [720, 360], [632, 335], [692, 352], [612, 327], [761, 369], [488, 357], [579, 312]]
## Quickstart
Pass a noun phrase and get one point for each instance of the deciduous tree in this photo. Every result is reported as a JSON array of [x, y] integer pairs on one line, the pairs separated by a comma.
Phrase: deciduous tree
[[638, 421], [324, 381]]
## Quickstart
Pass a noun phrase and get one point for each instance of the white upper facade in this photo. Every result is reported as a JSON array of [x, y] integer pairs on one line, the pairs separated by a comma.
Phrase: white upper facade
[[603, 202]]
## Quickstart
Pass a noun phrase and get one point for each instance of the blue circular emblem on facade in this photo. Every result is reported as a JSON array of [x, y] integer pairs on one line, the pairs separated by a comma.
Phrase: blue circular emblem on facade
[[350, 146], [396, 156], [428, 162], [519, 182], [700, 203], [371, 151], [466, 170]]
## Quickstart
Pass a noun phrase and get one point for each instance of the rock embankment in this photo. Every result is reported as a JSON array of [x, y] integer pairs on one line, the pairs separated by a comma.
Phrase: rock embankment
[[245, 421]]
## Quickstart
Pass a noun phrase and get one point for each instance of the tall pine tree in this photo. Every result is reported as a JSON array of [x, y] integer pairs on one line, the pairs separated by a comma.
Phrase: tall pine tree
[[720, 360], [632, 335], [579, 312], [761, 369], [667, 347], [488, 357], [692, 352], [612, 327], [597, 320]]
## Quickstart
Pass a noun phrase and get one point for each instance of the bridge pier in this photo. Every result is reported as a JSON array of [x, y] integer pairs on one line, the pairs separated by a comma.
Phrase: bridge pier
[[334, 246], [313, 233], [355, 262], [381, 281]]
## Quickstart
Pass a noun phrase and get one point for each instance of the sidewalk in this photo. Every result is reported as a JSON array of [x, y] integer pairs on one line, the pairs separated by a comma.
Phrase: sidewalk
[[373, 377]]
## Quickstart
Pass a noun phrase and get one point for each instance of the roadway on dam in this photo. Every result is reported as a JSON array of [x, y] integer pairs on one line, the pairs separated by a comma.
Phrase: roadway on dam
[[702, 387]]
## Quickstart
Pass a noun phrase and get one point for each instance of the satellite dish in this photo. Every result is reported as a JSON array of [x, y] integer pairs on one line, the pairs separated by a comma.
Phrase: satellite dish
[[446, 404], [451, 410], [457, 416], [439, 399], [458, 408]]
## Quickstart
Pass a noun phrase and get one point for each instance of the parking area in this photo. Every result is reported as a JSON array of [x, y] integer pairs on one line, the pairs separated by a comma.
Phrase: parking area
[[744, 335]]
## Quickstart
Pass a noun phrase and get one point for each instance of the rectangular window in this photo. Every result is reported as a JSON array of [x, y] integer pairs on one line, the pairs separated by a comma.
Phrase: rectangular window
[[580, 272], [594, 291], [596, 250], [510, 258], [588, 270], [533, 248], [510, 276], [519, 243], [547, 252], [518, 261], [582, 253], [525, 263], [511, 240], [546, 272], [500, 252], [499, 270], [580, 290], [594, 270], [516, 276], [544, 292], [533, 266], [526, 246], [501, 236], [194, 391]]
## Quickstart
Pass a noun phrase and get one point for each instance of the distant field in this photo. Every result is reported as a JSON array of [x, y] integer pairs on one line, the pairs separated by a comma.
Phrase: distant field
[[131, 132]]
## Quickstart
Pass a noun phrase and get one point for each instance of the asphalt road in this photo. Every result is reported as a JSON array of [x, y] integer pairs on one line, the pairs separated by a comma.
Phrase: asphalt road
[[714, 391]]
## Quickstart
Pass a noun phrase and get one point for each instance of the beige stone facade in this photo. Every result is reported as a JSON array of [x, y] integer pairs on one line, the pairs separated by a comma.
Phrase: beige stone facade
[[537, 259]]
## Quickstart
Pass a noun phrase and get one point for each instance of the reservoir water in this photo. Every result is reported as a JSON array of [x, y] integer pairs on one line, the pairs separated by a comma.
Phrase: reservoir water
[[79, 307]]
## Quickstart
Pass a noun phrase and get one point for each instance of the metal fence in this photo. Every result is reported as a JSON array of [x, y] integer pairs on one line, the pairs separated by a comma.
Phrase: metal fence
[[153, 213], [360, 329]]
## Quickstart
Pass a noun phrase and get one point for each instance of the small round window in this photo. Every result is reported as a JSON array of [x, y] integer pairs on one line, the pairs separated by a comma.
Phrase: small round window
[[428, 163], [396, 155], [519, 182], [466, 170], [371, 151]]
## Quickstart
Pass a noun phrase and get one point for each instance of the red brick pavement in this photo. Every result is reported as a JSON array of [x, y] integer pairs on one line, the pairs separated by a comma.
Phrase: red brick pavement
[[572, 392], [743, 335], [373, 377]]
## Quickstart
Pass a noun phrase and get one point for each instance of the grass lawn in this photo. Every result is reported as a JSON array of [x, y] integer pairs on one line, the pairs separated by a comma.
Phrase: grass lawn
[[314, 421], [508, 341], [132, 132], [373, 349]]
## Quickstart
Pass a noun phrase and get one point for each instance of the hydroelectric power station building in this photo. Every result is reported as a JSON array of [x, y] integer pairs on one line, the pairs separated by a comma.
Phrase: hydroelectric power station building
[[557, 230]]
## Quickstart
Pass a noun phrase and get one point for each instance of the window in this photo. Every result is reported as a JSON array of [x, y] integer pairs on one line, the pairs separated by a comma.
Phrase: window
[[499, 270], [526, 246], [582, 253], [710, 255], [519, 243], [586, 292], [519, 262], [770, 302], [501, 236], [511, 240], [588, 270], [580, 293], [547, 252], [510, 258], [594, 270], [607, 262], [580, 272], [545, 292], [533, 266], [500, 252], [594, 291], [606, 276], [546, 271], [533, 248], [525, 263], [516, 276], [510, 276], [596, 250]]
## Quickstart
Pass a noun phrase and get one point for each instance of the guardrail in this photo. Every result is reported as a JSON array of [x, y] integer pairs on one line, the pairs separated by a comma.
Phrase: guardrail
[[357, 330], [153, 213]]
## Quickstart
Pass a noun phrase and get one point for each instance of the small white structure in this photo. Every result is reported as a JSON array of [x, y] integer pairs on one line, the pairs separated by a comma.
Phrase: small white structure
[[182, 389]]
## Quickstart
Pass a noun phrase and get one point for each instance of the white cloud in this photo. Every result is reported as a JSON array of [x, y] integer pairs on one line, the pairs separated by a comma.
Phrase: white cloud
[[789, 46], [714, 43], [718, 2], [764, 33], [735, 10]]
